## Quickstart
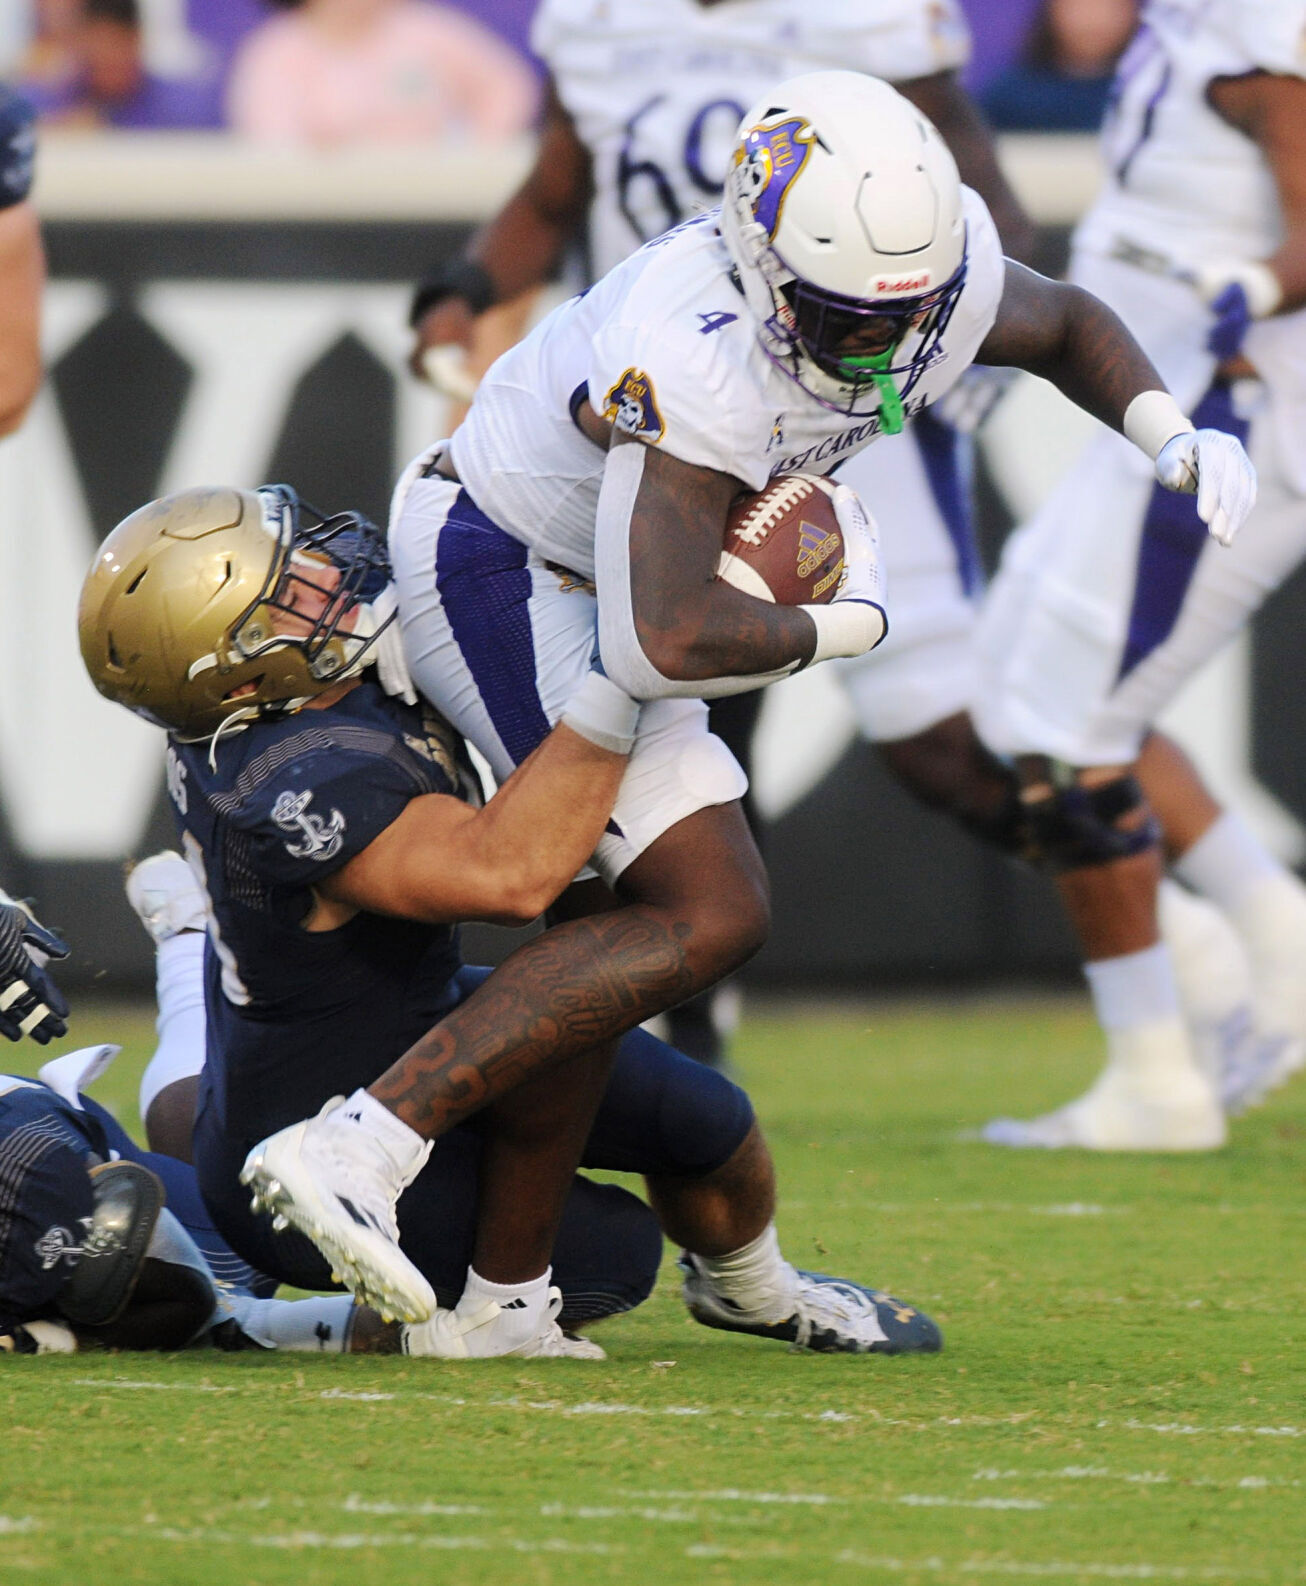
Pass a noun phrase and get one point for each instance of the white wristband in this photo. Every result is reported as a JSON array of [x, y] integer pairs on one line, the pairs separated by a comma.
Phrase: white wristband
[[1261, 287], [1152, 419], [845, 627], [603, 713]]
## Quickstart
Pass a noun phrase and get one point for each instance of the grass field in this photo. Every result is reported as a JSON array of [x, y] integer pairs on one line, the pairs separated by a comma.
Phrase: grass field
[[1122, 1396]]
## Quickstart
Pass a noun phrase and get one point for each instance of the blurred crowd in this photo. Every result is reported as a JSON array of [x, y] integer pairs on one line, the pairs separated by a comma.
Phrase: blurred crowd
[[325, 73]]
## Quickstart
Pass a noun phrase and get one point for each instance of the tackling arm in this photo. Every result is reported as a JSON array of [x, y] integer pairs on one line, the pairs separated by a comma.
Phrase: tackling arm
[[443, 861]]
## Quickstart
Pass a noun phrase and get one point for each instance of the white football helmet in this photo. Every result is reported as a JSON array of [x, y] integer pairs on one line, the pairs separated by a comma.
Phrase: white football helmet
[[842, 214]]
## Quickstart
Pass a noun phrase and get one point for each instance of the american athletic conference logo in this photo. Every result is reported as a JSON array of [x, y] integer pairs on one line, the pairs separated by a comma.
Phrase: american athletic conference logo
[[321, 838]]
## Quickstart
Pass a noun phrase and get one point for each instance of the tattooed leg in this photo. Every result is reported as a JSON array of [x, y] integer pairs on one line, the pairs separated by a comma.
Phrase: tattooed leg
[[696, 907]]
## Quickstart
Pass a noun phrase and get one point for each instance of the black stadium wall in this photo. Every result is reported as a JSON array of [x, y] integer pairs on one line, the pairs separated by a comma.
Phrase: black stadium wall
[[193, 350]]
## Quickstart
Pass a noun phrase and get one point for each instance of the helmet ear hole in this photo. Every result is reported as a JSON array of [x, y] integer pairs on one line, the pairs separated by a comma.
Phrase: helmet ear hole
[[115, 660]]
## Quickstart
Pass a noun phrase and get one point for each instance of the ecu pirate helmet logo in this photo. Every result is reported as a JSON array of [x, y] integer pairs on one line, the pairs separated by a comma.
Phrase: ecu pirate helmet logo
[[631, 406], [772, 155]]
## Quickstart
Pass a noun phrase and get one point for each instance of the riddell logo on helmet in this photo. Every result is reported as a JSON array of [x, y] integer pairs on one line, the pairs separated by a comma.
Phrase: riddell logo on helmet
[[903, 283]]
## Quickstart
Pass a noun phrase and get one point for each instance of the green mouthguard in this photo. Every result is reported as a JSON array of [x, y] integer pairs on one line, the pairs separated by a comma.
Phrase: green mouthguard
[[877, 365]]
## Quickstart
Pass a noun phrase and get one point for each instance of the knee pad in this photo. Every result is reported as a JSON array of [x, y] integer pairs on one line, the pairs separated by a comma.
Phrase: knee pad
[[1006, 829], [1074, 827]]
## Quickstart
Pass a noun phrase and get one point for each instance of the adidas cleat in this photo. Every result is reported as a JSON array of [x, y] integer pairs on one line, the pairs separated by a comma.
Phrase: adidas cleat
[[462, 1335], [338, 1185], [827, 1315]]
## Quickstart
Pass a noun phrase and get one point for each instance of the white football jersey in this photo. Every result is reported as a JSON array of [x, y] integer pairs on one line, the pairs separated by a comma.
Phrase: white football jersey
[[657, 88], [1181, 182], [665, 348]]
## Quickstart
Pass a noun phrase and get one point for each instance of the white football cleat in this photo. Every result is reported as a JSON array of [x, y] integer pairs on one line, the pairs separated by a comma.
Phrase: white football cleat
[[1143, 1100], [338, 1184], [1271, 923], [166, 896], [455, 1335], [1216, 992]]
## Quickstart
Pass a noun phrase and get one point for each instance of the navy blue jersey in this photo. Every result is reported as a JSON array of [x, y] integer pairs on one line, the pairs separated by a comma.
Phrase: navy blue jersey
[[17, 147], [297, 1016]]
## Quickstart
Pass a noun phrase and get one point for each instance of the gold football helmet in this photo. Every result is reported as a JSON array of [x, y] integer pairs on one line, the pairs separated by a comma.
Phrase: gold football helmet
[[199, 595]]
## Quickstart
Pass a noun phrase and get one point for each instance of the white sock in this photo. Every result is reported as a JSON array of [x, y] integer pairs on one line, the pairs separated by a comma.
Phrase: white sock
[[362, 1109], [522, 1309], [756, 1276], [319, 1324], [1134, 989], [1227, 862], [179, 989]]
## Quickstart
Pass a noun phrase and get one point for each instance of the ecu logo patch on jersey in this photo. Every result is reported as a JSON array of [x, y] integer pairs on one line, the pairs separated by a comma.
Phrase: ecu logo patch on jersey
[[773, 154], [631, 406]]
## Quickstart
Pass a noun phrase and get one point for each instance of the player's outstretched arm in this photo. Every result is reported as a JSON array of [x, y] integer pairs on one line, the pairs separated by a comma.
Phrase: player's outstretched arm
[[1074, 340], [520, 248], [667, 625], [443, 861]]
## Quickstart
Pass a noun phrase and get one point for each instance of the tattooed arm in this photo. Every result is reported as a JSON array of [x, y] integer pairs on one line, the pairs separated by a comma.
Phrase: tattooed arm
[[1072, 339], [666, 626]]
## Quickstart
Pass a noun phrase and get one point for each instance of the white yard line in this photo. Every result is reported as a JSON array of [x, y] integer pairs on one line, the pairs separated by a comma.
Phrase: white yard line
[[945, 1568], [600, 1407]]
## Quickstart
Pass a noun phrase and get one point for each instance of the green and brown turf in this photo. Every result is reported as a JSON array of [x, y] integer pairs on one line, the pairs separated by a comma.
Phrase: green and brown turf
[[1122, 1395]]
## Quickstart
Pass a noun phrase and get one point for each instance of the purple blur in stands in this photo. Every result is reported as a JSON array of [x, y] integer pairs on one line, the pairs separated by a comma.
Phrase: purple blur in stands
[[999, 29], [510, 19]]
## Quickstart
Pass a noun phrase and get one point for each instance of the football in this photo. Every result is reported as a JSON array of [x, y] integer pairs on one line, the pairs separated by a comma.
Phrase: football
[[783, 544]]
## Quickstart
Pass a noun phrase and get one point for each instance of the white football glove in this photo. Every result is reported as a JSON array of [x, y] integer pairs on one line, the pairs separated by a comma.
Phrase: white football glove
[[981, 387], [863, 578], [854, 621], [1213, 466]]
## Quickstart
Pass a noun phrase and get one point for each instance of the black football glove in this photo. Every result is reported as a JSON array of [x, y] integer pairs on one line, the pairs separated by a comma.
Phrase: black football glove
[[30, 1002]]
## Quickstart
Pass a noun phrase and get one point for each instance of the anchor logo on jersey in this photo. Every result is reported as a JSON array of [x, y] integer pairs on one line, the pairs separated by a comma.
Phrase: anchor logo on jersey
[[631, 406], [58, 1244], [772, 156], [321, 837]]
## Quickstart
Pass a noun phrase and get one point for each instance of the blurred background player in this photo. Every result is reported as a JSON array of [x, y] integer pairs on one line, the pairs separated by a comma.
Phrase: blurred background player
[[332, 949], [640, 119], [1108, 600]]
